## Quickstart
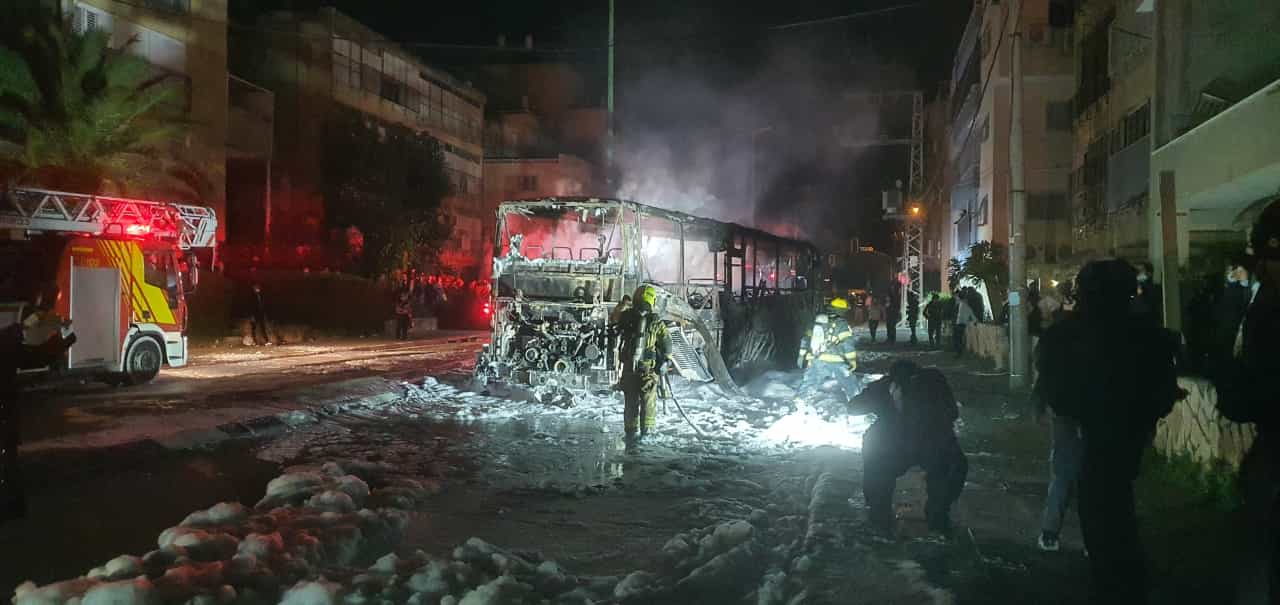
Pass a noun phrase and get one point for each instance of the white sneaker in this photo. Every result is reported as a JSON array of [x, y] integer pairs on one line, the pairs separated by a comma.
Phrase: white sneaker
[[1048, 542]]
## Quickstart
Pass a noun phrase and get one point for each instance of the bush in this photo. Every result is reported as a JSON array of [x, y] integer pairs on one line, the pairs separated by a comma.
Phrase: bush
[[1215, 485]]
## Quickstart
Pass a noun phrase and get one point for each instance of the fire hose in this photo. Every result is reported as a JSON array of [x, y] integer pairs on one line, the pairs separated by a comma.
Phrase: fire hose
[[671, 394]]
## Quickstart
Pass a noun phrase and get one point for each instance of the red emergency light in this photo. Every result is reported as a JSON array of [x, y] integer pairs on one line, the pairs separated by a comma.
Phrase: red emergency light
[[486, 310]]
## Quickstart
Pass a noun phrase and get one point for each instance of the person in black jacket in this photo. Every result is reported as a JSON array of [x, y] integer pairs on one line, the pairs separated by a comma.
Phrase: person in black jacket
[[913, 314], [915, 426], [1116, 377], [1248, 392], [16, 354]]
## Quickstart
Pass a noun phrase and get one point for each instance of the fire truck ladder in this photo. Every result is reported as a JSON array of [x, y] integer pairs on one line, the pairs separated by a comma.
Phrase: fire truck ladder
[[58, 211]]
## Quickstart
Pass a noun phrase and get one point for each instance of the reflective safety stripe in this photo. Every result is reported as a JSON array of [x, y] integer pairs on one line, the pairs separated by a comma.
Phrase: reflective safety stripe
[[831, 358], [843, 335], [851, 355]]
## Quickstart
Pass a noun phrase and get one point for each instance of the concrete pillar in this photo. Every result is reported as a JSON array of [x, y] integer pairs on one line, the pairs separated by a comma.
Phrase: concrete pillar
[[1171, 278]]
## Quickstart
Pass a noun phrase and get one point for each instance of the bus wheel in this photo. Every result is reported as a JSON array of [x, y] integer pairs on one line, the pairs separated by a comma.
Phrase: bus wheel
[[143, 360]]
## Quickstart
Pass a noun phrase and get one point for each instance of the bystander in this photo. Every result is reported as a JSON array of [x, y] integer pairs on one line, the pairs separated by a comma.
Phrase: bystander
[[1245, 379]]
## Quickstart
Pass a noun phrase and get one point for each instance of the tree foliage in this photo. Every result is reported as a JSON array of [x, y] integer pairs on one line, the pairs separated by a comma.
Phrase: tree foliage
[[986, 263], [389, 182], [78, 114]]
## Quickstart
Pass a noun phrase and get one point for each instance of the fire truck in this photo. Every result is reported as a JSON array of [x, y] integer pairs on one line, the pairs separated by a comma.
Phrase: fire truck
[[118, 269]]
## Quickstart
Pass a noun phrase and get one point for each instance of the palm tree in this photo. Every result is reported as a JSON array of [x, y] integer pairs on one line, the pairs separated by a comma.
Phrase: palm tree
[[74, 110]]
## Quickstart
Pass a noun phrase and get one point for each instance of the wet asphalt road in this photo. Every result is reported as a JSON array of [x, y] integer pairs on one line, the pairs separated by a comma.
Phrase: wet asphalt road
[[226, 377], [564, 487]]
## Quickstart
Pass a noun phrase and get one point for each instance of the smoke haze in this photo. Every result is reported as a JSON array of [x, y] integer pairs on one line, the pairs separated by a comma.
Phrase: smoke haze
[[760, 149]]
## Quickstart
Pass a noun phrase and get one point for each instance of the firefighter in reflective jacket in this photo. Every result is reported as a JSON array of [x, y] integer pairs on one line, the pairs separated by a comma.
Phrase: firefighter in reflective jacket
[[830, 355], [645, 349]]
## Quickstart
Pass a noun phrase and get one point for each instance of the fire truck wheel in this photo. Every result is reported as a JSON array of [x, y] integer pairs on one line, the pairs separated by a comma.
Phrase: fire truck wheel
[[143, 360]]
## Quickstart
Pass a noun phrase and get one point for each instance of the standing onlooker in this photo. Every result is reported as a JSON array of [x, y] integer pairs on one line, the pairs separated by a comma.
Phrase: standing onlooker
[[404, 316], [1065, 454], [261, 336], [1047, 307], [1230, 310], [913, 314], [1146, 303], [1117, 378], [892, 315], [1248, 392], [875, 314], [933, 313], [964, 318]]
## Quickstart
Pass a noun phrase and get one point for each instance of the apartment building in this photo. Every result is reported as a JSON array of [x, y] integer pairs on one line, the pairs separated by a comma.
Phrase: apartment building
[[321, 62], [980, 124], [1111, 115]]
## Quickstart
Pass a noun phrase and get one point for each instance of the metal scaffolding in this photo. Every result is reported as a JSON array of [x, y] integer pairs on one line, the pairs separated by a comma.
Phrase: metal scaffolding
[[911, 263]]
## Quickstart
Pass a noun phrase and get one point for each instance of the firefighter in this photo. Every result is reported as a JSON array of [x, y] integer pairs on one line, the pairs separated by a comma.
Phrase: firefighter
[[915, 417], [830, 355], [645, 350]]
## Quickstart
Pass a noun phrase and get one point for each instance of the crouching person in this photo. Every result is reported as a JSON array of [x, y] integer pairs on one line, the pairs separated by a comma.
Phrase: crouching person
[[915, 415]]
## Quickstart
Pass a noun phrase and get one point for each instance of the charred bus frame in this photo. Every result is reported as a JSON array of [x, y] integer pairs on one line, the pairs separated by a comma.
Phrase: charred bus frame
[[735, 297]]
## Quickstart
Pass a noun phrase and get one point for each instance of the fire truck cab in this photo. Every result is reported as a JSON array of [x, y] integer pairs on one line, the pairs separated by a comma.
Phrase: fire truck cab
[[118, 269]]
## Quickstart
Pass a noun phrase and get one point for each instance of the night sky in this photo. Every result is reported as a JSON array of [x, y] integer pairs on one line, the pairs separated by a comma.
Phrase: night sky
[[712, 69]]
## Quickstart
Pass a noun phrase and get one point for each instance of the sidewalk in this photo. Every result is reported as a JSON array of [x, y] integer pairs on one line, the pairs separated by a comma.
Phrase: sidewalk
[[994, 558]]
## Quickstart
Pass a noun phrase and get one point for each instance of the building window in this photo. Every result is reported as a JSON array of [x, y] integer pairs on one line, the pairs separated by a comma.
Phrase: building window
[[391, 90], [983, 217], [527, 182], [1046, 206], [985, 130], [1137, 124], [172, 6], [1094, 79], [88, 18], [1057, 115]]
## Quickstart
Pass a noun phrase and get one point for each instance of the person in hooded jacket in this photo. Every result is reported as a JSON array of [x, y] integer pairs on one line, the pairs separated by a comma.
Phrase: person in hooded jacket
[[1116, 377], [915, 426], [1247, 389]]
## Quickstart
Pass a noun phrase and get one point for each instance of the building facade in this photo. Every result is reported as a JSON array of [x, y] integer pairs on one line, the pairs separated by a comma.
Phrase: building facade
[[1111, 114], [185, 40], [980, 124], [323, 62]]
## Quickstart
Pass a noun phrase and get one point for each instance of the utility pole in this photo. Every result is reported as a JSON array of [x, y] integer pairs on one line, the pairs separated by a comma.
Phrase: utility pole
[[1019, 339], [608, 144]]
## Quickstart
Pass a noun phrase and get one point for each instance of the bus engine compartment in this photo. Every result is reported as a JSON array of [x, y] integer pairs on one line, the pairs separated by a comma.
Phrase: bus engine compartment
[[731, 297]]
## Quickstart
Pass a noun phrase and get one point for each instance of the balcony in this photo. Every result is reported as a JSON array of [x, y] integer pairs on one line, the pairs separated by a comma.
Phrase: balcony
[[1231, 159], [968, 43]]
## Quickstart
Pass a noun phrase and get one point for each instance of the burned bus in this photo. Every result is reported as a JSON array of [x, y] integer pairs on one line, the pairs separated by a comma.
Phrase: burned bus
[[736, 300]]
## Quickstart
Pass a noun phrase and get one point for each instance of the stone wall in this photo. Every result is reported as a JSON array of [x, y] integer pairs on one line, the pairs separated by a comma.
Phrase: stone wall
[[1194, 428], [988, 341]]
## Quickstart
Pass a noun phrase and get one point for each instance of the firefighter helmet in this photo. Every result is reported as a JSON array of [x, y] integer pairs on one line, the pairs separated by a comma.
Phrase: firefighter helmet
[[839, 304], [648, 294]]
